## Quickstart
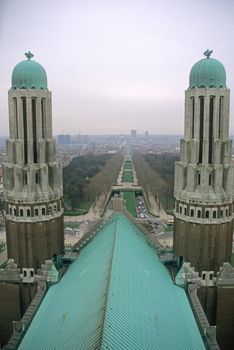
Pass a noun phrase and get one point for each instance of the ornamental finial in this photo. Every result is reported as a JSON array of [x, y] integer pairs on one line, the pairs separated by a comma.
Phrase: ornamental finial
[[207, 53], [29, 55]]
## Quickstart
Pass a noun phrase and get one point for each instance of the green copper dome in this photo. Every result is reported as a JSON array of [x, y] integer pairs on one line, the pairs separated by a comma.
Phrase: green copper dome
[[207, 72], [29, 74]]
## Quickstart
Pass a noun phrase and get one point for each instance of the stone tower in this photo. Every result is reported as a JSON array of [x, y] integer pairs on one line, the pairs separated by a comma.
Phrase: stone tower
[[32, 176], [204, 175]]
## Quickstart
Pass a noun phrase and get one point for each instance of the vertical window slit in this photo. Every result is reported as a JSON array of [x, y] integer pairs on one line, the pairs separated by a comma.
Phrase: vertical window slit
[[24, 107], [34, 130], [199, 179], [43, 118], [220, 114], [201, 128], [16, 117], [211, 117], [193, 106], [210, 179]]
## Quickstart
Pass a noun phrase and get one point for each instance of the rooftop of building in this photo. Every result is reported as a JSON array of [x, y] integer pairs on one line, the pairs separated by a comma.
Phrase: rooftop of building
[[207, 73], [116, 295], [29, 74]]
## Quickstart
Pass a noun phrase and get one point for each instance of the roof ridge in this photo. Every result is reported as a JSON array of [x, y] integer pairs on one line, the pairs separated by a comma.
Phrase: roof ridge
[[108, 284]]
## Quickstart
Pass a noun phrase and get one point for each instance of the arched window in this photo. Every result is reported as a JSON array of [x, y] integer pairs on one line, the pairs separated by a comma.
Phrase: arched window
[[14, 211], [180, 210], [36, 212], [28, 212], [21, 212], [192, 213], [207, 214], [43, 211], [214, 214], [185, 211], [199, 213]]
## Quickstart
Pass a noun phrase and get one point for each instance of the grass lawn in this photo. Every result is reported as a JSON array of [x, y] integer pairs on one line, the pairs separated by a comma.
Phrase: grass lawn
[[83, 209], [127, 176], [129, 199], [127, 166], [72, 224]]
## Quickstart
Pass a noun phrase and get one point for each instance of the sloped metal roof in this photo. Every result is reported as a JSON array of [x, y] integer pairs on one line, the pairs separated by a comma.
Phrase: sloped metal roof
[[116, 295]]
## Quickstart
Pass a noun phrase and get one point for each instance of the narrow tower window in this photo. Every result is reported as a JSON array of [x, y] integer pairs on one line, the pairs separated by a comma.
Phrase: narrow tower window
[[16, 117], [24, 107], [214, 214], [220, 114], [34, 130], [199, 213], [210, 179], [193, 105], [43, 118], [192, 213], [201, 128], [207, 214], [199, 179], [211, 117]]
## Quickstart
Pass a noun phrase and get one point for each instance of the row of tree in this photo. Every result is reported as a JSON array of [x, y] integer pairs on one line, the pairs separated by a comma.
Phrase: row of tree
[[87, 177], [155, 172]]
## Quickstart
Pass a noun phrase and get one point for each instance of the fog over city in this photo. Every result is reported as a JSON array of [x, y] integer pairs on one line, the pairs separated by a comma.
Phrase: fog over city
[[113, 66]]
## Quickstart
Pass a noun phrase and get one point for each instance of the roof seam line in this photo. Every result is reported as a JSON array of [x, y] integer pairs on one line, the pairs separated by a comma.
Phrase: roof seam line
[[108, 284]]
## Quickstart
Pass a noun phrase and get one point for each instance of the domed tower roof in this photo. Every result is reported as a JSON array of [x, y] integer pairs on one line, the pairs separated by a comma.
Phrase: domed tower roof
[[29, 74], [207, 72]]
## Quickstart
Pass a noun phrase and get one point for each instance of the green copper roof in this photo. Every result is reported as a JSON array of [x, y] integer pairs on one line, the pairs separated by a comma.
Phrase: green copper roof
[[116, 295], [207, 72], [29, 74]]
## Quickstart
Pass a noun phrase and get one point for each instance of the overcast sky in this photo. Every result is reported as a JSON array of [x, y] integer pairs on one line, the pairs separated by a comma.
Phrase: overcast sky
[[113, 66]]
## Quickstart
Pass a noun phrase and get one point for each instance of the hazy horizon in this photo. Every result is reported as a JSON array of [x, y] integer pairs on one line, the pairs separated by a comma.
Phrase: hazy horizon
[[114, 66]]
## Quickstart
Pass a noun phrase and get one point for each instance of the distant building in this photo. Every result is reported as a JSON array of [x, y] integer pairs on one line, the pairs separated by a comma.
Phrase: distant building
[[64, 139], [133, 133]]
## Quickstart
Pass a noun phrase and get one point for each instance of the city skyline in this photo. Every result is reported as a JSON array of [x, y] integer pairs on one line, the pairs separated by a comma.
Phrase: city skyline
[[115, 66]]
